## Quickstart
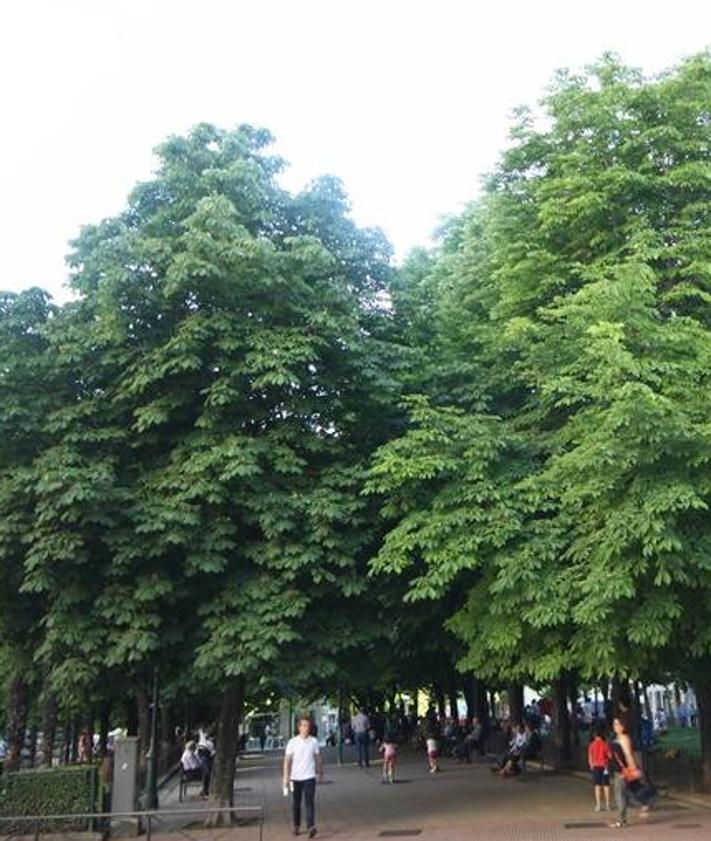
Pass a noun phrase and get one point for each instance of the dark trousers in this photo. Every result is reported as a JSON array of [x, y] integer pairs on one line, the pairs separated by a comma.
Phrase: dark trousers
[[363, 743], [307, 790], [206, 768]]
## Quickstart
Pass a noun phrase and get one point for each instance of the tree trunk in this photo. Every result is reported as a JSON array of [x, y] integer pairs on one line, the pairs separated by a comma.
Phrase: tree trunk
[[562, 719], [104, 726], [469, 686], [492, 702], [621, 699], [131, 710], [167, 729], [482, 710], [67, 745], [438, 692], [222, 782], [607, 706], [573, 696], [33, 745], [49, 728], [18, 701], [74, 744], [703, 701], [515, 696], [453, 697]]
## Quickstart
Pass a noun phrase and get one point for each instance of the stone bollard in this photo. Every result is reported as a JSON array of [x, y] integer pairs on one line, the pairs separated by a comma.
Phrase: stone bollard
[[124, 791]]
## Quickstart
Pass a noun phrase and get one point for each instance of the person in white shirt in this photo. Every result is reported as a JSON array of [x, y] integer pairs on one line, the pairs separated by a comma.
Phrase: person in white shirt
[[361, 730], [302, 763], [205, 745], [206, 753], [195, 768], [509, 764], [189, 760]]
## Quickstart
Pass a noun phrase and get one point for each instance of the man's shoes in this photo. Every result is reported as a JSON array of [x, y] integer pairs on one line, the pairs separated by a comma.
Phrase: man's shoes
[[312, 832]]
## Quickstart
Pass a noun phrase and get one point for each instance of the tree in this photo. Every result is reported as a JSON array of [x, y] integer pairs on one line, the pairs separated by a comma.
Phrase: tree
[[244, 358], [574, 307], [26, 397]]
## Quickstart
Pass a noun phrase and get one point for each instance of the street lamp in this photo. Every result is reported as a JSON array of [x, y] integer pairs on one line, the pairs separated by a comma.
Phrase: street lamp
[[150, 794]]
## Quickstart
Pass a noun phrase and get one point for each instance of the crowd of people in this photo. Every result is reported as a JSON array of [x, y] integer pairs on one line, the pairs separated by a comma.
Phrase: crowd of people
[[612, 758]]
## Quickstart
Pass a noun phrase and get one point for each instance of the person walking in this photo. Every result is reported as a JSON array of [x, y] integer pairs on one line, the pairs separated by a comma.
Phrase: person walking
[[629, 779], [361, 730], [302, 764]]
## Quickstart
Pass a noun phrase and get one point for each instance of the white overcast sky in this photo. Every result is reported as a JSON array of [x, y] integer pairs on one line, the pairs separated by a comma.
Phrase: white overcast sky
[[407, 101]]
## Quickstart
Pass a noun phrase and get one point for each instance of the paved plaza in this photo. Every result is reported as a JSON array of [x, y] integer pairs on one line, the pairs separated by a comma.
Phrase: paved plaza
[[462, 802]]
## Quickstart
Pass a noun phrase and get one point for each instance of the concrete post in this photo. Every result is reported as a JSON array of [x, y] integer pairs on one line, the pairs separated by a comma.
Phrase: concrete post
[[124, 793]]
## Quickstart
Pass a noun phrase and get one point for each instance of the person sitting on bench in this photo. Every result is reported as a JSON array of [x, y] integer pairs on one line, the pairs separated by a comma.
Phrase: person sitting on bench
[[193, 768], [509, 764]]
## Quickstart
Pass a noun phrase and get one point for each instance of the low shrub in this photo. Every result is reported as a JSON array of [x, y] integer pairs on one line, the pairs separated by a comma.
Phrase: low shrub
[[49, 791]]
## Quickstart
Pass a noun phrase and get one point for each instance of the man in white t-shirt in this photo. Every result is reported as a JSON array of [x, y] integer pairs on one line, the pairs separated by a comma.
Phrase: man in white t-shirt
[[302, 762]]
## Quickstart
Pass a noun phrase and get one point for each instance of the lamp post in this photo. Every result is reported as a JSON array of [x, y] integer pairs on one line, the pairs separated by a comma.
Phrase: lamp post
[[150, 793]]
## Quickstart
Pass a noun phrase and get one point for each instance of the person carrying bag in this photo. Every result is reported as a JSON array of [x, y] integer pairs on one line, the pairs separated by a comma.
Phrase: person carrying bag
[[629, 777]]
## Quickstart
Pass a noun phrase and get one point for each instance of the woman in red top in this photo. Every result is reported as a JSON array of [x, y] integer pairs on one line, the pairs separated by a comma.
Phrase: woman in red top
[[599, 756]]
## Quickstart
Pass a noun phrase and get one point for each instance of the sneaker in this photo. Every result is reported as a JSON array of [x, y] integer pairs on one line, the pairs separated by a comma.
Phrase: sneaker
[[597, 809], [312, 832]]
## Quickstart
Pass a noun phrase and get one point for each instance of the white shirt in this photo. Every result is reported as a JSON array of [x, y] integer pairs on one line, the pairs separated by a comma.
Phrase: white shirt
[[303, 753], [189, 760], [520, 740], [360, 723], [204, 741], [432, 746]]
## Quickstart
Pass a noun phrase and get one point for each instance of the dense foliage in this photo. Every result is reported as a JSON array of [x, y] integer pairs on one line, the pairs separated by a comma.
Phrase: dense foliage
[[557, 469], [251, 455]]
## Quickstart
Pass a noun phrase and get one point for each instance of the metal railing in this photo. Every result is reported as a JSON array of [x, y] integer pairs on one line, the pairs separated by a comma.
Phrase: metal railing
[[150, 820]]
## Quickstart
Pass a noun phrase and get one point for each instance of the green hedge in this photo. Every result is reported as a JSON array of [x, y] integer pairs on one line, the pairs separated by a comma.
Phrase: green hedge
[[49, 791]]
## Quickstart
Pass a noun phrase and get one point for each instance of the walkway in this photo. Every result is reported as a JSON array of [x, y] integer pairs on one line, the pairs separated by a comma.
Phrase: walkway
[[463, 803]]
